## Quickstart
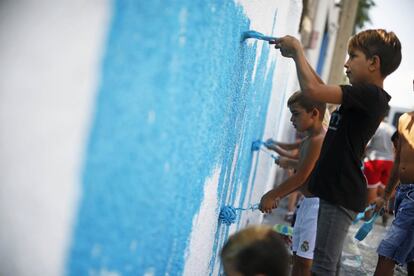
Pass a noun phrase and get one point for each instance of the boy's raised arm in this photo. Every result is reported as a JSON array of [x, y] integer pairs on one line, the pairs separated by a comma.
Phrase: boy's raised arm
[[310, 83], [285, 153], [287, 146], [283, 148]]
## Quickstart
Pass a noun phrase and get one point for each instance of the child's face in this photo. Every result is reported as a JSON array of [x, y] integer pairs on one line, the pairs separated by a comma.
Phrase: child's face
[[301, 119], [357, 67]]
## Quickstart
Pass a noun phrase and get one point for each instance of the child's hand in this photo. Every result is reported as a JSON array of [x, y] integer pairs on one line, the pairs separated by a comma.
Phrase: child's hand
[[268, 202], [270, 144], [288, 45], [381, 202]]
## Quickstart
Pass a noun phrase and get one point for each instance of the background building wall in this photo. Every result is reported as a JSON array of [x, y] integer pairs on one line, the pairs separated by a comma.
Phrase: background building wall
[[127, 125]]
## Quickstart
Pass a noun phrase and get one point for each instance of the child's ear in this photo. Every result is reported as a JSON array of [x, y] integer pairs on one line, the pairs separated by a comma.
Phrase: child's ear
[[315, 113], [375, 63]]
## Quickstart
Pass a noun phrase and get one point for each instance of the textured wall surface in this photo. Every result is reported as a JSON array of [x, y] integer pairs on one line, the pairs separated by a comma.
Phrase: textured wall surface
[[178, 98], [148, 112]]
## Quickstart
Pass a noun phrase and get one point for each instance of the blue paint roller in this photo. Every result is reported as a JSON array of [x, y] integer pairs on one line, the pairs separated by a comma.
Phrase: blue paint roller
[[257, 145], [228, 214], [256, 35], [367, 227]]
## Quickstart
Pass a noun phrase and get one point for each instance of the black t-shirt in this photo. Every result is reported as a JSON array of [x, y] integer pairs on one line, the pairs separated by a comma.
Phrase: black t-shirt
[[337, 176]]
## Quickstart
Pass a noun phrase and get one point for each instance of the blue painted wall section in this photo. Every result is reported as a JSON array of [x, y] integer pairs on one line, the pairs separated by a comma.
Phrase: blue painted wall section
[[177, 94]]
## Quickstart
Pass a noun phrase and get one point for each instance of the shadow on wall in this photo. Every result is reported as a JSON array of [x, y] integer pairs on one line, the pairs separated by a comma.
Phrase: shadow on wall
[[178, 96]]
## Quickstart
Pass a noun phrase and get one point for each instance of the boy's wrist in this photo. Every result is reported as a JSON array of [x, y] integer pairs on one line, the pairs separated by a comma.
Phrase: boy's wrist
[[296, 46], [275, 194], [298, 54], [387, 193]]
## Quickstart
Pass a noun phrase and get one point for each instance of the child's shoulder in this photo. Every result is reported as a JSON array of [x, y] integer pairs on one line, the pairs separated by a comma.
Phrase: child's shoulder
[[408, 114], [318, 137], [317, 140], [313, 140], [405, 125], [406, 117]]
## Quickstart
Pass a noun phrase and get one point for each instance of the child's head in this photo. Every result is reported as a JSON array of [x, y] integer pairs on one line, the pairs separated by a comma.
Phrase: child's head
[[372, 50], [256, 250], [305, 111]]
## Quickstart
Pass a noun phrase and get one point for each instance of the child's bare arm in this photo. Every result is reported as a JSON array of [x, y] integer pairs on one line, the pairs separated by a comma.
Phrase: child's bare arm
[[394, 177], [270, 143], [315, 74], [392, 182], [288, 163], [286, 146], [283, 148], [309, 83], [285, 153], [292, 183]]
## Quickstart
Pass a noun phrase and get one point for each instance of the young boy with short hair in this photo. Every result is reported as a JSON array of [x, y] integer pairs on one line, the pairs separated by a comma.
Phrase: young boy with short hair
[[307, 117], [337, 178]]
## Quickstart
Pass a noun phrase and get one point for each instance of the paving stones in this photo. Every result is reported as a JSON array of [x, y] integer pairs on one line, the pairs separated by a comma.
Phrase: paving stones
[[358, 258]]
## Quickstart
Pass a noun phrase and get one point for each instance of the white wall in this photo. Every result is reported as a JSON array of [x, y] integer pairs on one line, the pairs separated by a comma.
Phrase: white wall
[[50, 52]]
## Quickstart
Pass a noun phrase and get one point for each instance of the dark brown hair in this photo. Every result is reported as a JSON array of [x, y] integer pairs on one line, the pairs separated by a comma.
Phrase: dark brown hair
[[256, 250], [307, 103], [381, 43]]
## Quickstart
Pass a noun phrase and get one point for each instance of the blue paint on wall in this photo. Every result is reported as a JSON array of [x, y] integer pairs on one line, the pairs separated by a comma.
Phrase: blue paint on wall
[[250, 117], [177, 94]]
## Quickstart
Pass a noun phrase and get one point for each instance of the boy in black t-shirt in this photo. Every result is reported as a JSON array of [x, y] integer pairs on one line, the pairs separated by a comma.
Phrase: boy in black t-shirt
[[337, 178]]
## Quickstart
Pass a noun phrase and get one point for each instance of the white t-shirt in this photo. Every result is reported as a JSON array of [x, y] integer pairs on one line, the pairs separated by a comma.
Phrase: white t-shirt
[[380, 146]]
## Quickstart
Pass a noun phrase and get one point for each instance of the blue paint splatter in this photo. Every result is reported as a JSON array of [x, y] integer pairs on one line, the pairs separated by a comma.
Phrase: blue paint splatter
[[176, 96]]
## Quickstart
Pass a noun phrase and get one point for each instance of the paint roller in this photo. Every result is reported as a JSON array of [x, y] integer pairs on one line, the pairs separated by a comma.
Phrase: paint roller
[[256, 35], [257, 146], [228, 214]]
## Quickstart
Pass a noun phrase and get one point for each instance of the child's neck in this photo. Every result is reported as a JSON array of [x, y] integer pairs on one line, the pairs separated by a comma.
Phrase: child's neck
[[377, 81], [315, 130]]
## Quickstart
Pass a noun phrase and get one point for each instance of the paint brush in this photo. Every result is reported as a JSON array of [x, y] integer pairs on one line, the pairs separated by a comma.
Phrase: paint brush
[[256, 35]]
